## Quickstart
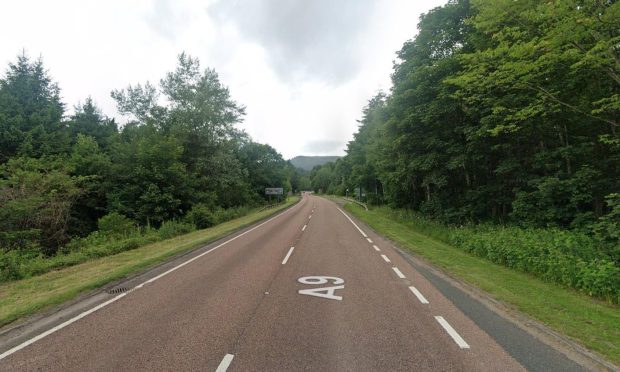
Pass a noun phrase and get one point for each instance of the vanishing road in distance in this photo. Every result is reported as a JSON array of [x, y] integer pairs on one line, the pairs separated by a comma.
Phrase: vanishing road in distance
[[308, 289]]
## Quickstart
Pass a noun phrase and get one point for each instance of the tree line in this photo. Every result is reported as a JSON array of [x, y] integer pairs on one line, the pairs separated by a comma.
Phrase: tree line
[[179, 156], [500, 110]]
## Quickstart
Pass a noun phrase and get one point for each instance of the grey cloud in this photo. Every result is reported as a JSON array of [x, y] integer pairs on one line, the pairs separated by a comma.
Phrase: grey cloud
[[323, 147], [320, 39], [164, 19]]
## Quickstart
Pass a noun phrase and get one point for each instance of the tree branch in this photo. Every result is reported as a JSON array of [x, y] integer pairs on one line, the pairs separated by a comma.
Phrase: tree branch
[[572, 107]]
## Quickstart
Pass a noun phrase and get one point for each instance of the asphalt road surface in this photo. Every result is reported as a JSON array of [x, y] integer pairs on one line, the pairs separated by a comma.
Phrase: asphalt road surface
[[308, 289]]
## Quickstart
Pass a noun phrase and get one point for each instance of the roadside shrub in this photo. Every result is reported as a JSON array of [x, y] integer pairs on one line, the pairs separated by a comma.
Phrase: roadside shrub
[[11, 265], [600, 279], [222, 215], [201, 216], [115, 224], [607, 230], [117, 234], [170, 229], [567, 257], [20, 239]]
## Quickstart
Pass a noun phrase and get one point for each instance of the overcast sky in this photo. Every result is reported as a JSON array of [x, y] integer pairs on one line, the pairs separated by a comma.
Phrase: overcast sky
[[303, 68]]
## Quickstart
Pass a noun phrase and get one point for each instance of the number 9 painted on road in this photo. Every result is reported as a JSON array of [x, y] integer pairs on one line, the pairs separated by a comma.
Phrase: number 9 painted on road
[[316, 280]]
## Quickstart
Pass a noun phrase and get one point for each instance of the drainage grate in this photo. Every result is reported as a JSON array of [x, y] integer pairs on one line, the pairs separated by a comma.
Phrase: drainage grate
[[117, 290]]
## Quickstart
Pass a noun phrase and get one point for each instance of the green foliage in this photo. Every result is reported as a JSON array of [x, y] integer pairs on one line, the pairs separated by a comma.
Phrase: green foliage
[[78, 187], [115, 224], [89, 121], [37, 196], [502, 111], [607, 230], [222, 215], [265, 167], [569, 258], [30, 112], [11, 265], [170, 229], [117, 235], [201, 216]]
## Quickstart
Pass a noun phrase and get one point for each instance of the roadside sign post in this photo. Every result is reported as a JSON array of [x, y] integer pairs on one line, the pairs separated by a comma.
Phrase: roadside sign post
[[274, 191]]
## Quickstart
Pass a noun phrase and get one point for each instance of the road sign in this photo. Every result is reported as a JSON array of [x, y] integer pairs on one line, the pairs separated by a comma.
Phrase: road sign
[[274, 191]]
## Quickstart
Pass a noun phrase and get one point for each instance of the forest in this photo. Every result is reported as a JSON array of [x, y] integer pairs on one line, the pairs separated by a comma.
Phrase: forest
[[76, 184], [503, 126]]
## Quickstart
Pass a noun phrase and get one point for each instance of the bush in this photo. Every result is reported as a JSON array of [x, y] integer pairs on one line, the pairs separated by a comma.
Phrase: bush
[[201, 216], [570, 258], [11, 265], [170, 229], [115, 224], [223, 215], [117, 234], [607, 230]]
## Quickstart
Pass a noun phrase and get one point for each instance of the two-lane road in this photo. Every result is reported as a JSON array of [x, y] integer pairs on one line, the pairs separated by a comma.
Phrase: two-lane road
[[308, 289]]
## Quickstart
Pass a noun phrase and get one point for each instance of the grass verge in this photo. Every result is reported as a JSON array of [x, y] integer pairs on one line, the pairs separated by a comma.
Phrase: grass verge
[[25, 297], [595, 324]]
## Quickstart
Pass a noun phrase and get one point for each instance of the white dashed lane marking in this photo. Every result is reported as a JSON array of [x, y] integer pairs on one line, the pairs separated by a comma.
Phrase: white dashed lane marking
[[399, 273], [455, 336], [225, 363], [418, 295], [290, 251]]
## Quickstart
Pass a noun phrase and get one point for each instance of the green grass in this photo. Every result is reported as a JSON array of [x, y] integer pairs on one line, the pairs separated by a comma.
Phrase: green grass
[[593, 323], [25, 297]]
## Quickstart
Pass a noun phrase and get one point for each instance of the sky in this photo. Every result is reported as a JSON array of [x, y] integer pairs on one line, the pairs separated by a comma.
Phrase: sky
[[304, 69]]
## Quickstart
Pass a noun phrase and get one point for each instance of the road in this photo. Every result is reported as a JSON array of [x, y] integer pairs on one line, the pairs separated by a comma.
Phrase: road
[[309, 289]]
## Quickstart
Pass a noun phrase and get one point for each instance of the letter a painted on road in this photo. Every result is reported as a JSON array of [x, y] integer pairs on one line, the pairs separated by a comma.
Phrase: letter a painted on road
[[326, 292]]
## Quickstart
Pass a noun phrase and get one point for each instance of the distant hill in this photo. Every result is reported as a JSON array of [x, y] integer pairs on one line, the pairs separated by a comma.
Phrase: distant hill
[[309, 162]]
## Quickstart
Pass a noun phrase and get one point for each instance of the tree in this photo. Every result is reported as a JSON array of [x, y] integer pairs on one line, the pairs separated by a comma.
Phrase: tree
[[148, 181], [89, 121], [93, 166], [502, 110], [30, 111], [36, 197], [537, 83], [201, 115], [265, 167]]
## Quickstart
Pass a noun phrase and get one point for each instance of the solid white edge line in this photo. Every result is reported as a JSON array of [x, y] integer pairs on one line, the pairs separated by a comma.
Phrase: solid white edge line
[[60, 326], [225, 363], [369, 241], [376, 248], [104, 304], [350, 220], [385, 258], [418, 295], [290, 251], [400, 274], [455, 336], [304, 228]]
